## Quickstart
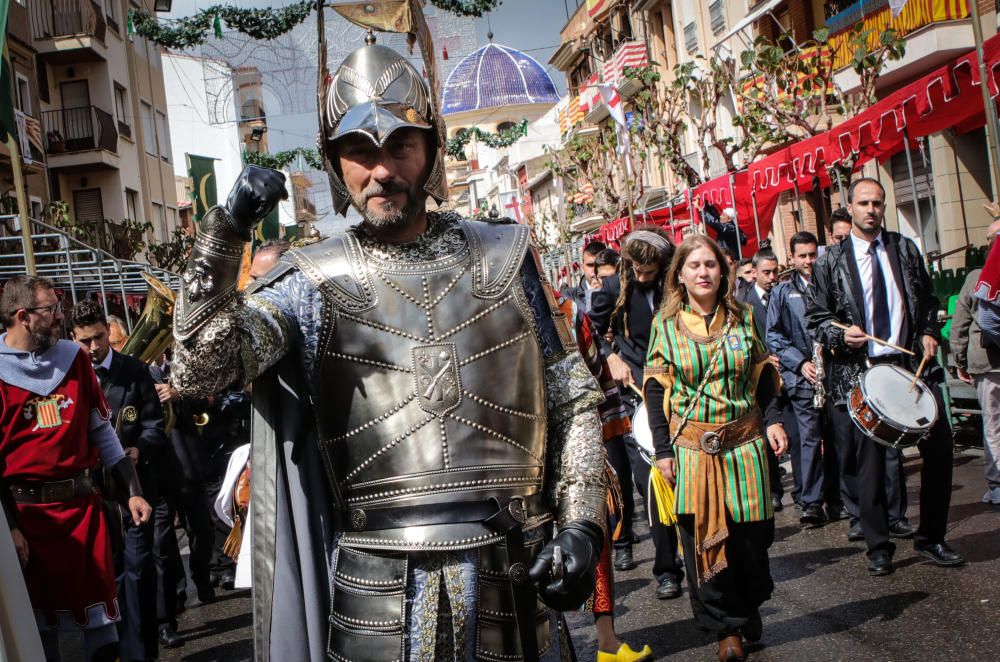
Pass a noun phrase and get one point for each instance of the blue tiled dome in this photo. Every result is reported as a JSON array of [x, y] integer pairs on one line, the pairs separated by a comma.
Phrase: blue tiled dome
[[495, 76]]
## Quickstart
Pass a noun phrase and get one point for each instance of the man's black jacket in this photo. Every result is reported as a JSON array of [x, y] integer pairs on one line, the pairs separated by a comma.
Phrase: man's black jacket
[[838, 296], [137, 417], [632, 348]]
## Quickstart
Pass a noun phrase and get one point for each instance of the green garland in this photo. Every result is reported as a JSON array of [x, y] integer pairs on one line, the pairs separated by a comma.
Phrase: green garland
[[505, 138], [281, 160], [191, 31]]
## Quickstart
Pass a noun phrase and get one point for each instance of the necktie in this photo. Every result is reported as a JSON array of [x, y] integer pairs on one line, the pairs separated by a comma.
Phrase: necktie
[[880, 297], [764, 299], [102, 373]]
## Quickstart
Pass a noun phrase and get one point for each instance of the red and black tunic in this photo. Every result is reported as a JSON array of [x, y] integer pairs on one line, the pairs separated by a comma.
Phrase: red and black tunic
[[70, 573]]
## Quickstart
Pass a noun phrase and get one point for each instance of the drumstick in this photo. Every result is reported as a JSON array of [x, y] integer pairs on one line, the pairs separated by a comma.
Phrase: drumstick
[[916, 377], [876, 340]]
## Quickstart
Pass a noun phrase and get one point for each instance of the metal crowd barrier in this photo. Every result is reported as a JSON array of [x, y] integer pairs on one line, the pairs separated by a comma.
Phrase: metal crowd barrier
[[76, 267]]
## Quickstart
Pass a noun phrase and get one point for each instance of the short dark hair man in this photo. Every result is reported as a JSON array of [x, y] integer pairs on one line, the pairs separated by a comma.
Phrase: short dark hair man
[[56, 426], [138, 419], [884, 292], [788, 338], [583, 291], [840, 224]]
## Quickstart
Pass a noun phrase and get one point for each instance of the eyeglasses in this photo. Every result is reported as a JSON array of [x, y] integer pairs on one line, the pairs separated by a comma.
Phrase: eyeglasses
[[52, 309]]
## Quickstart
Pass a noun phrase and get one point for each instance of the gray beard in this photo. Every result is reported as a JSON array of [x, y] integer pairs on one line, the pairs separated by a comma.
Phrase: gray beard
[[43, 341]]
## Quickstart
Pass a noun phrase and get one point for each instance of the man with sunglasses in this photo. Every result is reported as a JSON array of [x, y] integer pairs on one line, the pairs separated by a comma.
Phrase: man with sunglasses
[[56, 425]]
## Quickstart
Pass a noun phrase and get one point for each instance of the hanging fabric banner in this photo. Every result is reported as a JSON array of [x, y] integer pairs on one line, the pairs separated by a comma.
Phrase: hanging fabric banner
[[201, 170]]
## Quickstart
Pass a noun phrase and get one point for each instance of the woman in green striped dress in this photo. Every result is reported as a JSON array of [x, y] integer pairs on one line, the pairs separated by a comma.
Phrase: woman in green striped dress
[[713, 402]]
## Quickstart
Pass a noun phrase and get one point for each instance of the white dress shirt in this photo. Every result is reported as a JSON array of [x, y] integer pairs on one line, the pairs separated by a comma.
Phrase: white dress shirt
[[896, 313], [762, 294], [106, 363]]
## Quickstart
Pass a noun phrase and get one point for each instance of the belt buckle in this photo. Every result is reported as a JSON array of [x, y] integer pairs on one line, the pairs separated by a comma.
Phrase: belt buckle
[[711, 443], [60, 490], [518, 509]]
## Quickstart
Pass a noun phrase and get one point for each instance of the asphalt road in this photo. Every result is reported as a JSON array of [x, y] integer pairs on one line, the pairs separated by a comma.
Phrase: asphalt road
[[825, 607]]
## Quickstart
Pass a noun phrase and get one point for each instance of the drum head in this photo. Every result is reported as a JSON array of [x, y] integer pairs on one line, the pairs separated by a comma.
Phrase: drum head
[[640, 430], [886, 389]]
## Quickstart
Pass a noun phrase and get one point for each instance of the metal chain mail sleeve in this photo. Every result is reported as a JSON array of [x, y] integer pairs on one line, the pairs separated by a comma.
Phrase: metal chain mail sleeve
[[249, 335], [576, 480]]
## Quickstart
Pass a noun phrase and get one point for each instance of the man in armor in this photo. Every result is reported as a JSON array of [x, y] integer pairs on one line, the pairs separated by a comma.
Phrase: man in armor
[[427, 459]]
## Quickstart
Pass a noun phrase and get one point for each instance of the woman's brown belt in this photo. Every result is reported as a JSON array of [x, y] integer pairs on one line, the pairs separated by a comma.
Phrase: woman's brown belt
[[710, 529]]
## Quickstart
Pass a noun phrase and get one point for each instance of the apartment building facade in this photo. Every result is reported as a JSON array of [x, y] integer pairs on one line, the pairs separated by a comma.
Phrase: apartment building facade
[[97, 98]]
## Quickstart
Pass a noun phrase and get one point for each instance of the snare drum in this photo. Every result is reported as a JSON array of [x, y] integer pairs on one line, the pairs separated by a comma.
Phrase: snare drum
[[642, 434], [886, 410]]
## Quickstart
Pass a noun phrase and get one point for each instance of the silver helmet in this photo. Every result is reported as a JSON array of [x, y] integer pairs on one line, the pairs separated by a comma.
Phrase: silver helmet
[[375, 92]]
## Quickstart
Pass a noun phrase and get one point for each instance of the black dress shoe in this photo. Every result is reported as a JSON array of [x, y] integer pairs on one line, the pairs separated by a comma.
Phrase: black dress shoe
[[753, 630], [813, 515], [880, 563], [836, 513], [623, 558], [206, 594], [902, 529], [940, 554], [776, 503], [855, 533], [169, 637], [227, 579], [668, 589]]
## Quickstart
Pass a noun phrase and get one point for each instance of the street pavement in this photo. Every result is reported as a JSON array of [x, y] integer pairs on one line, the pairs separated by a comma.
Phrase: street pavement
[[824, 607]]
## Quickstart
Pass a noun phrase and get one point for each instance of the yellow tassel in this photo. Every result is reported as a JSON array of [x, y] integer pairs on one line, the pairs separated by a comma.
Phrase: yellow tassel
[[234, 541], [664, 495]]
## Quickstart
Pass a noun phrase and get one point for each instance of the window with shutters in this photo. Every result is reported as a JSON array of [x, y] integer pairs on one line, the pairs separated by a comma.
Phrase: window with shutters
[[87, 206], [148, 128], [121, 111], [691, 37], [163, 133], [717, 15], [160, 214], [23, 94], [132, 204]]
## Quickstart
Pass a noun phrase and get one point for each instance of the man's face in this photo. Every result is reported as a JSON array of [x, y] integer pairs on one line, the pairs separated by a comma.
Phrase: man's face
[[646, 273], [840, 231], [263, 263], [116, 336], [590, 269], [746, 272], [803, 258], [867, 207], [767, 274], [95, 339], [44, 319], [386, 185]]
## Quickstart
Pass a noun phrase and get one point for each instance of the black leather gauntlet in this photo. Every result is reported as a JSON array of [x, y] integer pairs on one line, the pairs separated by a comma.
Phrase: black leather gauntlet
[[581, 544], [214, 267], [126, 477]]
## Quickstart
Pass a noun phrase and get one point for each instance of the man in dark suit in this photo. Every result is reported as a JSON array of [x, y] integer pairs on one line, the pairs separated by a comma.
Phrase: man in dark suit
[[757, 295], [138, 419], [875, 282]]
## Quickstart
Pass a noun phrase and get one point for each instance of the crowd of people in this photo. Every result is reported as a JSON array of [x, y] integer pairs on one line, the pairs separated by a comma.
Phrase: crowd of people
[[670, 318], [101, 454]]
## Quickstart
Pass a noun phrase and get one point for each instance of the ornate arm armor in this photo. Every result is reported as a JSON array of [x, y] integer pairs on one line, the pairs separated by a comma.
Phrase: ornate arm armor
[[221, 335], [575, 482]]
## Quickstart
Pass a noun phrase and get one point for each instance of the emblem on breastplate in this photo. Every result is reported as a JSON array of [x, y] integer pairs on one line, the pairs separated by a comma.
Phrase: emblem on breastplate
[[435, 372]]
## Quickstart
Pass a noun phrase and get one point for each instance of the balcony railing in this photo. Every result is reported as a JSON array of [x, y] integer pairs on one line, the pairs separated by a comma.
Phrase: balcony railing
[[79, 129], [52, 19]]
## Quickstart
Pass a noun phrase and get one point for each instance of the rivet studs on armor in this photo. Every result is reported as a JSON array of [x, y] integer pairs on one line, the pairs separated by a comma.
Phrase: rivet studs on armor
[[358, 519], [518, 574]]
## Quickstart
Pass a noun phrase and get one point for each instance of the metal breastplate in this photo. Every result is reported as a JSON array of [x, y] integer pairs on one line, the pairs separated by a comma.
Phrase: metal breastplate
[[430, 386]]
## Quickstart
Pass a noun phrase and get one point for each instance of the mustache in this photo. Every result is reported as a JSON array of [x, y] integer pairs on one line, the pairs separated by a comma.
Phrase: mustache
[[382, 189]]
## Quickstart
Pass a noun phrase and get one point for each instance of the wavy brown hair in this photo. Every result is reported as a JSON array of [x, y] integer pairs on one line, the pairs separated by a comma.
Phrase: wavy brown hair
[[639, 252], [675, 294]]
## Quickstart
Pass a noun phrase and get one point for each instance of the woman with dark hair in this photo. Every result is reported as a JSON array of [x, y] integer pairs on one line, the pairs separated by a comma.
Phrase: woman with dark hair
[[713, 402], [624, 307]]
